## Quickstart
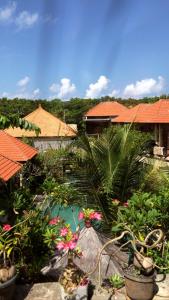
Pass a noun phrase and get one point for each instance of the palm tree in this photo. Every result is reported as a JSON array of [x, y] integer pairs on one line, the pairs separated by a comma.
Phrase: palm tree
[[112, 162]]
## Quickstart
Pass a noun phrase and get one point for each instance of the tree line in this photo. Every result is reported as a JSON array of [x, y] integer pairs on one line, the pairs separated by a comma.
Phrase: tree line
[[70, 111]]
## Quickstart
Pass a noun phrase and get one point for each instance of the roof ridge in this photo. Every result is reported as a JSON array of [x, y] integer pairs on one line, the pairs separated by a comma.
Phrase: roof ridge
[[16, 162]]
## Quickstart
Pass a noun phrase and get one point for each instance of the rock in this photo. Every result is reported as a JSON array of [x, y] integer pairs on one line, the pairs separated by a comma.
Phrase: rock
[[148, 264], [90, 245], [45, 291], [4, 276], [162, 282]]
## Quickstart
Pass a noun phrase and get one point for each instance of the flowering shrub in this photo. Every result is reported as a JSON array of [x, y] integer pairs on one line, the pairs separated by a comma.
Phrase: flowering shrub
[[89, 214], [11, 238], [67, 239], [60, 236]]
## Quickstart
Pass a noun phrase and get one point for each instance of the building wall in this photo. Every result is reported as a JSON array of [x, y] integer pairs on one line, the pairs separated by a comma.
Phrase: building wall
[[43, 143]]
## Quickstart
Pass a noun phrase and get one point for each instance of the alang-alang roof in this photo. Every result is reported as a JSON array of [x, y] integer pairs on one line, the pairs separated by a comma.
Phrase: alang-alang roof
[[50, 126], [106, 109], [157, 112]]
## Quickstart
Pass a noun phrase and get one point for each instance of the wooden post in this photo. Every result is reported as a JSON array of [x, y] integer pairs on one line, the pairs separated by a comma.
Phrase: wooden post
[[160, 136], [21, 179], [156, 133]]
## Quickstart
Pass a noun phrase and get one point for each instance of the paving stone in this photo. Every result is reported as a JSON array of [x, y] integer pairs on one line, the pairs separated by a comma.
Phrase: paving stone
[[45, 291], [52, 291]]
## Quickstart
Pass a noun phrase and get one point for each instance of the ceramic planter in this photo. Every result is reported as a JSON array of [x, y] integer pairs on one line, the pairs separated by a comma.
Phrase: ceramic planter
[[7, 289], [139, 288]]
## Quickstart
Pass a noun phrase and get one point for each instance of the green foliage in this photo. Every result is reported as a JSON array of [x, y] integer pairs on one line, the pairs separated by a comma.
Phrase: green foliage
[[32, 246], [112, 163], [21, 199], [144, 213], [55, 161], [56, 193], [116, 281], [70, 111], [160, 257], [16, 121]]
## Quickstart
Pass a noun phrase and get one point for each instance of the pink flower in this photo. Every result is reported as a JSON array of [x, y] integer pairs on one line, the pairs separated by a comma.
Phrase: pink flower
[[6, 227], [75, 236], [81, 216], [96, 216], [66, 246], [60, 245], [64, 231], [71, 245], [54, 221], [125, 204]]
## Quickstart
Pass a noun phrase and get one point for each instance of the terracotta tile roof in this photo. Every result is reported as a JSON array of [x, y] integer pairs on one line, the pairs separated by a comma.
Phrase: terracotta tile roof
[[157, 112], [106, 109], [8, 168], [50, 126], [14, 149]]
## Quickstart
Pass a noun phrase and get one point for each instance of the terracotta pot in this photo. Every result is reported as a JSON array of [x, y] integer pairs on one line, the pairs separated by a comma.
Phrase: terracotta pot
[[140, 288], [7, 289]]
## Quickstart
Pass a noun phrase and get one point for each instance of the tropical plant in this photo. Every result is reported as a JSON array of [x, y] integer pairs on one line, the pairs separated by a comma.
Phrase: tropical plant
[[55, 162], [144, 213], [11, 238], [113, 163], [59, 193], [116, 281]]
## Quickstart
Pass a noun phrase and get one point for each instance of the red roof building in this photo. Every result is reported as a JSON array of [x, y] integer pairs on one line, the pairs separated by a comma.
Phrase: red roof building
[[150, 118], [101, 115], [106, 109], [156, 113], [15, 149], [8, 168]]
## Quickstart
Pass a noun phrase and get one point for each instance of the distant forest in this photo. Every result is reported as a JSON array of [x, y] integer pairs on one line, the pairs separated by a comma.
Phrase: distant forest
[[70, 111]]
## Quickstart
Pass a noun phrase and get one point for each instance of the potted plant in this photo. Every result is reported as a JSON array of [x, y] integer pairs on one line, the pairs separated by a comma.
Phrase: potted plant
[[73, 281], [8, 241], [139, 284], [146, 217], [110, 286], [11, 239]]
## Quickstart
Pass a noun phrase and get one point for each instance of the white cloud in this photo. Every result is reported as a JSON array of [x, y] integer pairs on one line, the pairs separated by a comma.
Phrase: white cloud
[[114, 93], [36, 92], [22, 83], [26, 19], [7, 12], [54, 88], [64, 90], [144, 87], [95, 89]]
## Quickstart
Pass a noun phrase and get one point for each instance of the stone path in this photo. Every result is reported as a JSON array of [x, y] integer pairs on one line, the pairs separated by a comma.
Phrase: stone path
[[52, 291]]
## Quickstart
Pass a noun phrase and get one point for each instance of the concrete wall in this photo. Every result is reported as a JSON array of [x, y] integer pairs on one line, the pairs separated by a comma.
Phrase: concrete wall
[[43, 143]]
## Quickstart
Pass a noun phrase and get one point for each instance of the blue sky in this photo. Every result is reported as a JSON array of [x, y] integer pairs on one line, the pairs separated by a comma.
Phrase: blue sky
[[84, 48]]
